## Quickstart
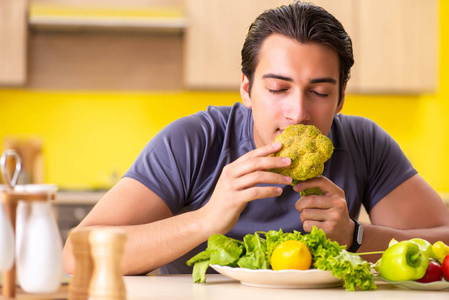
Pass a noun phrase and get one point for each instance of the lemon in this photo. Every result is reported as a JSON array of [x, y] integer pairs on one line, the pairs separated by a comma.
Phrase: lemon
[[392, 242], [291, 255], [440, 250]]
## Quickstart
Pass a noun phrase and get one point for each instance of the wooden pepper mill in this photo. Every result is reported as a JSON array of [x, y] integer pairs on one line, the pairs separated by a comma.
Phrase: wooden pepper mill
[[98, 255], [79, 285], [107, 248]]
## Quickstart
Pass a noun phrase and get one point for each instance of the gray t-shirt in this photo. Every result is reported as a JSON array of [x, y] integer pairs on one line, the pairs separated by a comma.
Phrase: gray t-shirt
[[183, 162]]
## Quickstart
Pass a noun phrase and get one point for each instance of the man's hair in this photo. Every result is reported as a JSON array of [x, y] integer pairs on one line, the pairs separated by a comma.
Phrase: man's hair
[[305, 23]]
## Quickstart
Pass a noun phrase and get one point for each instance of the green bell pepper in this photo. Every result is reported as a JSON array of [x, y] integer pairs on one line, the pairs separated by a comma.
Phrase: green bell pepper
[[403, 261], [424, 246]]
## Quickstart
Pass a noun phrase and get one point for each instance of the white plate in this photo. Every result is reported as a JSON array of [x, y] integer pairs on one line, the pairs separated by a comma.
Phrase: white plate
[[414, 285], [308, 279]]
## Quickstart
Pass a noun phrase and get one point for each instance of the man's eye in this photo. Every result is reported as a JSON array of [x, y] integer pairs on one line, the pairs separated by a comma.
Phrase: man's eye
[[320, 95], [277, 91]]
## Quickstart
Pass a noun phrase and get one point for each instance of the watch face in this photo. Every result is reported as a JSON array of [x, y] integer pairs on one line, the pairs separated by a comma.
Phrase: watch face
[[359, 234], [358, 237]]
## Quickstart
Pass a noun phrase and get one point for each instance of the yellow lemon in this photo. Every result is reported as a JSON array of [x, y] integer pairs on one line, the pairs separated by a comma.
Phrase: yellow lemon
[[440, 250], [291, 255]]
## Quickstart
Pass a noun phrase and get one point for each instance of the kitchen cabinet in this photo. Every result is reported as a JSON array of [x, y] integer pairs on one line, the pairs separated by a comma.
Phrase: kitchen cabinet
[[395, 42], [198, 47], [91, 44], [396, 46], [13, 42], [214, 38]]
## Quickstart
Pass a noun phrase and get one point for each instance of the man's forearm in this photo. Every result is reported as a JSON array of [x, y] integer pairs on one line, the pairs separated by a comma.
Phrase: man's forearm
[[156, 244], [377, 238], [152, 245]]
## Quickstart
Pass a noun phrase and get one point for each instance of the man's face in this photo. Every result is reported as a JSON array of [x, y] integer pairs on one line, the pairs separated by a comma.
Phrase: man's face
[[293, 83]]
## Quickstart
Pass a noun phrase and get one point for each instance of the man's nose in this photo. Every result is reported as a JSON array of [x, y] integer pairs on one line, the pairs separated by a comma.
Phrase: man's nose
[[297, 111]]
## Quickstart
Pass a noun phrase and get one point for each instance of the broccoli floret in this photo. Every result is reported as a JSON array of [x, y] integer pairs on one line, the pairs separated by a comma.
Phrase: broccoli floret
[[307, 148]]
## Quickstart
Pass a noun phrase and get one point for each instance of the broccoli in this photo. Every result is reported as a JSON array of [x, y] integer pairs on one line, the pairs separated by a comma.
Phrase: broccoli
[[308, 149]]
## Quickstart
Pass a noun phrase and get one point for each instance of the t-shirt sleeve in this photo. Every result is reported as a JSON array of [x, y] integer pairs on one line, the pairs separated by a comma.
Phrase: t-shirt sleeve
[[387, 165], [166, 163]]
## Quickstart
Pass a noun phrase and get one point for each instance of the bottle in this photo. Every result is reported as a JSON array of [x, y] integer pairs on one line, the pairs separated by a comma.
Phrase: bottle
[[39, 267], [6, 241], [22, 215]]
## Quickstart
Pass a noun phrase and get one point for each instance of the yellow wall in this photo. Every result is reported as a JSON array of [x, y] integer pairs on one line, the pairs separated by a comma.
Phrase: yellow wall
[[90, 136]]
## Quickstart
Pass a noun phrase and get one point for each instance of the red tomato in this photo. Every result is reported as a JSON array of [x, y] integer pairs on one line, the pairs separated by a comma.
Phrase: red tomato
[[433, 273], [445, 267]]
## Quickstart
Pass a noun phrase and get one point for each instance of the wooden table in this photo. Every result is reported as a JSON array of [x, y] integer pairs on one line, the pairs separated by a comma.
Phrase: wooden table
[[169, 287]]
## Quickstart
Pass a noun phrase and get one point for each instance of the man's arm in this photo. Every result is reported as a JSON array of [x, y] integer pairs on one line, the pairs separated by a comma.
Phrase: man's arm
[[411, 210], [156, 237], [147, 222]]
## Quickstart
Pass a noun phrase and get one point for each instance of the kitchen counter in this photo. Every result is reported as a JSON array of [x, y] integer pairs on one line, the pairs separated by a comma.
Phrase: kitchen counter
[[78, 197], [220, 287]]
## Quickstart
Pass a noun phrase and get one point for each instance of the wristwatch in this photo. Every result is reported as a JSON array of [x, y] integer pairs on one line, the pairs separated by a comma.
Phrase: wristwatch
[[358, 236]]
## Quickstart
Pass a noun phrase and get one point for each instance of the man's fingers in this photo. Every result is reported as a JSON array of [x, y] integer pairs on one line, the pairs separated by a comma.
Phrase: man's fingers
[[255, 193], [326, 185], [260, 152], [257, 160], [254, 178], [313, 202]]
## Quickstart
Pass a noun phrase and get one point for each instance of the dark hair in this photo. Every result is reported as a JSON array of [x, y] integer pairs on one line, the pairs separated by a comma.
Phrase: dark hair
[[305, 23]]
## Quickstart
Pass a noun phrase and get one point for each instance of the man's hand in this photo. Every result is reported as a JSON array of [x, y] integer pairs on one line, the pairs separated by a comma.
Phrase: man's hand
[[238, 185], [328, 212]]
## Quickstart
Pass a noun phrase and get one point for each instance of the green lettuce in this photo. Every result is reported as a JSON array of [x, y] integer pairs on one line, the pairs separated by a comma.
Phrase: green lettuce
[[255, 253], [353, 270]]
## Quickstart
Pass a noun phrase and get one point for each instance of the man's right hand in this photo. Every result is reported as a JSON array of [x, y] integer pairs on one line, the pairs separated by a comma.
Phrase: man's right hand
[[238, 185]]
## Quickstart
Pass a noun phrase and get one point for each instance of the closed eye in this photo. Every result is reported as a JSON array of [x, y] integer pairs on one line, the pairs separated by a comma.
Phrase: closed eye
[[277, 91], [320, 95]]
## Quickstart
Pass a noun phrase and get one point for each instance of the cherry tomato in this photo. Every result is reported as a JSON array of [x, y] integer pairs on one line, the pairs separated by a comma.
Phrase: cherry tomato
[[445, 267], [433, 273]]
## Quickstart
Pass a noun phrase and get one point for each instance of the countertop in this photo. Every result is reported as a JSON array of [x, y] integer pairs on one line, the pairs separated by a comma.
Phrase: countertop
[[219, 287], [79, 197]]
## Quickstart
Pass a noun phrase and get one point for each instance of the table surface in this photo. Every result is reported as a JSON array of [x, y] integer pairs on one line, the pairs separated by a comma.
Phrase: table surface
[[220, 287]]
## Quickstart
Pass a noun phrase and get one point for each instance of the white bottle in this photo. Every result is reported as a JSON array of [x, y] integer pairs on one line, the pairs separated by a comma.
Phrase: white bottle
[[6, 241], [39, 267], [22, 215]]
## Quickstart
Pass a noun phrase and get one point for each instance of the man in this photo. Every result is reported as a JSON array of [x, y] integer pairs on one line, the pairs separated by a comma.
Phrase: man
[[206, 173]]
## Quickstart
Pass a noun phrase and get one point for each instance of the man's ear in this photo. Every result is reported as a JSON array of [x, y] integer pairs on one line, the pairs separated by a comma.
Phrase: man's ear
[[342, 101], [244, 91]]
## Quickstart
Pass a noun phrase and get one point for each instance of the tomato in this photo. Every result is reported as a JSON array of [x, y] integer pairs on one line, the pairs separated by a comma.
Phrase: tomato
[[433, 273], [445, 267]]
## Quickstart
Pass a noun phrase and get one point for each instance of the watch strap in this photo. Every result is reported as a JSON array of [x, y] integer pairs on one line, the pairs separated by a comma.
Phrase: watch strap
[[358, 236]]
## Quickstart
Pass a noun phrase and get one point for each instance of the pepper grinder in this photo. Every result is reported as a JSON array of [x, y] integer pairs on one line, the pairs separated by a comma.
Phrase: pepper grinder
[[82, 274], [107, 248]]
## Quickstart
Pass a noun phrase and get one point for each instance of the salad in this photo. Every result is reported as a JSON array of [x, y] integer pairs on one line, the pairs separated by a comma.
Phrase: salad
[[254, 252]]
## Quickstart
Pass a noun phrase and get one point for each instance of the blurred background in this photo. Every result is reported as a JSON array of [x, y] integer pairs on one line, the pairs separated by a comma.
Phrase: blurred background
[[85, 84]]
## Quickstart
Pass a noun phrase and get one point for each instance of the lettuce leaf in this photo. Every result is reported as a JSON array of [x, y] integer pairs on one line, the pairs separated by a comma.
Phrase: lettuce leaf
[[221, 250], [224, 251], [353, 270], [254, 257]]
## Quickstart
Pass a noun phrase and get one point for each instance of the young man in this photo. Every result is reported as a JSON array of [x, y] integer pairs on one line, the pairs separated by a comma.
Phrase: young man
[[206, 173]]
